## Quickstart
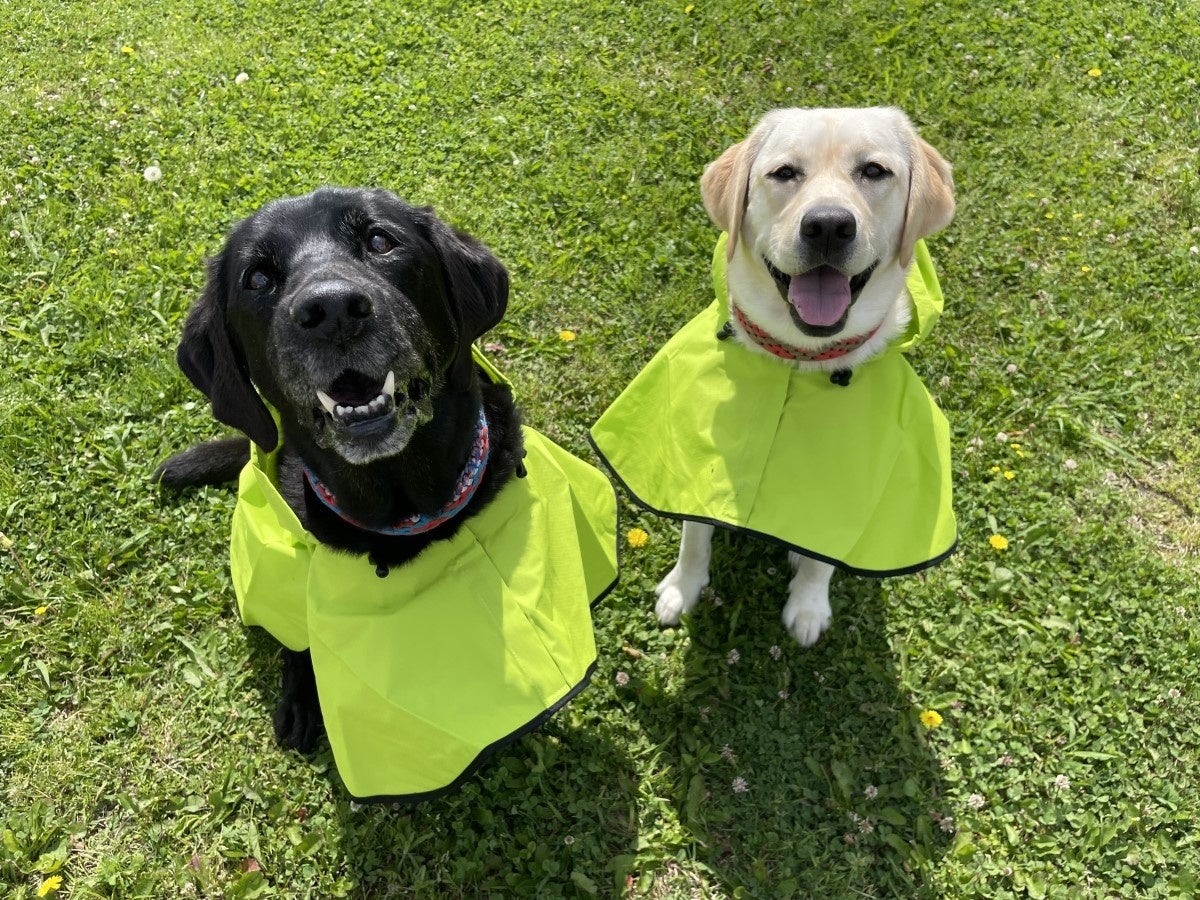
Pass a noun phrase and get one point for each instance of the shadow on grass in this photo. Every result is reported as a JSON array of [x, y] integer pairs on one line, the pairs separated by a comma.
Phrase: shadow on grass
[[552, 814], [798, 772]]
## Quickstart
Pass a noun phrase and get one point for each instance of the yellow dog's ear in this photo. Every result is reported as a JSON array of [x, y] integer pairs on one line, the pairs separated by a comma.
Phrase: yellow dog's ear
[[725, 185], [930, 197]]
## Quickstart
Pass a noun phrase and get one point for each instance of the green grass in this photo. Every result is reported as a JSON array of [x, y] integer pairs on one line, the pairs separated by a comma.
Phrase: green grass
[[135, 749]]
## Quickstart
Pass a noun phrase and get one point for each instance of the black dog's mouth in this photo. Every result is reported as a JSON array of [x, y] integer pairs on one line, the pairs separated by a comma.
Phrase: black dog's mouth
[[820, 298], [361, 404]]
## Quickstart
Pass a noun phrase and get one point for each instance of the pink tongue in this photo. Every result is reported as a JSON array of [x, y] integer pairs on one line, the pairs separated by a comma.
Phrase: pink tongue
[[820, 295]]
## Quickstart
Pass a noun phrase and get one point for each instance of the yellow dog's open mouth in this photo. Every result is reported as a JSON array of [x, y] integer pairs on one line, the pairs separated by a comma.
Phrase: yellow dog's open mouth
[[820, 298]]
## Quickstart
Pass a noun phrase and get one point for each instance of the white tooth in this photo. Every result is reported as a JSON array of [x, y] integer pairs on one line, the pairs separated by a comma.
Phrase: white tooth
[[344, 410], [362, 410], [377, 404], [327, 402], [389, 385]]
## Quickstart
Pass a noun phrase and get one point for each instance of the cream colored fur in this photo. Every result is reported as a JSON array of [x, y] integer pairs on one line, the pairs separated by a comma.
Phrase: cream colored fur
[[762, 213]]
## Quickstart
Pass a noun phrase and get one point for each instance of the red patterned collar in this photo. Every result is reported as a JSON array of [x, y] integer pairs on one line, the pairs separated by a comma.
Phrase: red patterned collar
[[833, 350], [464, 490]]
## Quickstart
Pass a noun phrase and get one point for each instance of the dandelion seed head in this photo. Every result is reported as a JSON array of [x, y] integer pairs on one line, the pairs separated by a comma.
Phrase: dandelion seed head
[[152, 173], [622, 679]]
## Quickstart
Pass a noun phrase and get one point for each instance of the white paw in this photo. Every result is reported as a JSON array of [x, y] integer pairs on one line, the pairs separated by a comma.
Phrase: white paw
[[677, 594], [807, 617]]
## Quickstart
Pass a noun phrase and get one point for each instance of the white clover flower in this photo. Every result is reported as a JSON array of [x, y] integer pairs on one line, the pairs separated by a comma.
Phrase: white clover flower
[[242, 78]]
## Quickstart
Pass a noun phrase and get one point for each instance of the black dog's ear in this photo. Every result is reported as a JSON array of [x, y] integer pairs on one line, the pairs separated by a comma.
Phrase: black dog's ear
[[212, 361], [478, 284]]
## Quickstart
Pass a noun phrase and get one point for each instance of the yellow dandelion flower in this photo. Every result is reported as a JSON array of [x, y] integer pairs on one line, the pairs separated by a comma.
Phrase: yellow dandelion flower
[[1095, 73], [995, 470], [127, 50], [41, 610], [1010, 474], [566, 335], [930, 718], [687, 10], [50, 885], [1015, 446], [637, 537], [998, 542], [1085, 269]]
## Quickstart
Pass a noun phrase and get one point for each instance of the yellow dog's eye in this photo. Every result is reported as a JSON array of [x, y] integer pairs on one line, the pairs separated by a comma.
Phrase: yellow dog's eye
[[783, 173], [873, 171]]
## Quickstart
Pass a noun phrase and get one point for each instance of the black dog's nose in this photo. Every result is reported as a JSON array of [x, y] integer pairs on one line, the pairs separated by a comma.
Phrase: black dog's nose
[[828, 228], [332, 310]]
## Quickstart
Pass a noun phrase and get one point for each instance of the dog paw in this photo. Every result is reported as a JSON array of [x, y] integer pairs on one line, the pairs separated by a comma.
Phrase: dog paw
[[677, 595], [298, 719], [806, 618], [297, 726]]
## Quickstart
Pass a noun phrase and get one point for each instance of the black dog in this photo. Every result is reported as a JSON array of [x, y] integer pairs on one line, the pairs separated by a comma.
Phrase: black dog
[[352, 315]]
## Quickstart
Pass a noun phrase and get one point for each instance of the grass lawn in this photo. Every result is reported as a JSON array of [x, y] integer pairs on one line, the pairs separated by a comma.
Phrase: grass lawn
[[719, 759]]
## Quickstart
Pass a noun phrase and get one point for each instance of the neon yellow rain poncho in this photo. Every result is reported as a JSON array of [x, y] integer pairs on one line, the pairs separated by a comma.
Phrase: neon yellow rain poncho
[[476, 641], [855, 475]]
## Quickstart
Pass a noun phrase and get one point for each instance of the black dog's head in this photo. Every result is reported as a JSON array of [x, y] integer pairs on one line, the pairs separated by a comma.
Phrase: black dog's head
[[348, 311]]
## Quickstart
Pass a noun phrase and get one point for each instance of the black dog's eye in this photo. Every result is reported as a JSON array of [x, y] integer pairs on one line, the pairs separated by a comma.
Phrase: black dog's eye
[[380, 242], [257, 279], [873, 171], [783, 173]]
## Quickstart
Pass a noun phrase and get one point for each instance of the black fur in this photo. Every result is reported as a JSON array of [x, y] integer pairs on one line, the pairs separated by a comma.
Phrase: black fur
[[337, 288]]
